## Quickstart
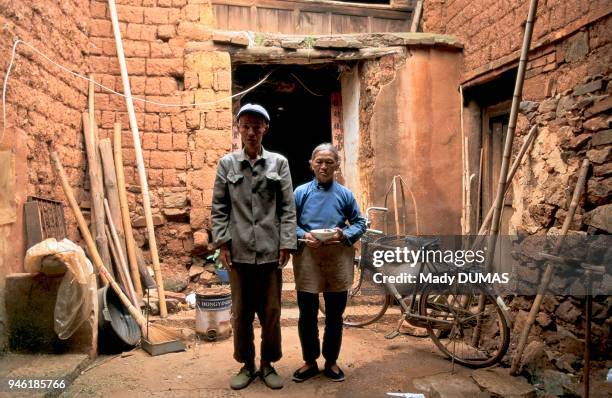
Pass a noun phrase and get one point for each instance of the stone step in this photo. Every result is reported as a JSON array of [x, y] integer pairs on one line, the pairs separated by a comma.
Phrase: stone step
[[289, 316], [288, 273], [289, 297]]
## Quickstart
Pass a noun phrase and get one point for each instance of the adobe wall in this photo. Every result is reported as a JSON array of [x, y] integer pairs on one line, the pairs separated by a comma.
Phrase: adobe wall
[[410, 127], [492, 30], [181, 145], [43, 106]]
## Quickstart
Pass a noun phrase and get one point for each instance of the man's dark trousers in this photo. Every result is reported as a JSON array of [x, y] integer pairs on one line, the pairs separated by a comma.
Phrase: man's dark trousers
[[308, 303], [256, 289]]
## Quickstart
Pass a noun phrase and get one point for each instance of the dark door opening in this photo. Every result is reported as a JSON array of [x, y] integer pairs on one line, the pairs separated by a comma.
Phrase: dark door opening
[[298, 99]]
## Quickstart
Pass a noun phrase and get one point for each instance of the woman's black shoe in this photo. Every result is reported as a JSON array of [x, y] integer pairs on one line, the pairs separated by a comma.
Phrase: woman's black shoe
[[304, 375], [333, 376]]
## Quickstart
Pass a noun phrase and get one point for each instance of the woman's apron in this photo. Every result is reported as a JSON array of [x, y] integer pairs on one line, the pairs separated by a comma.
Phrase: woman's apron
[[328, 268]]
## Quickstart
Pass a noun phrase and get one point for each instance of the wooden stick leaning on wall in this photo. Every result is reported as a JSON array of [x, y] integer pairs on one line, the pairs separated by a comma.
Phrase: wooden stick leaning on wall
[[416, 19], [120, 256], [97, 191], [125, 211], [110, 183], [479, 187], [464, 168], [503, 173], [156, 333], [146, 201], [118, 263], [548, 272], [530, 139], [509, 140]]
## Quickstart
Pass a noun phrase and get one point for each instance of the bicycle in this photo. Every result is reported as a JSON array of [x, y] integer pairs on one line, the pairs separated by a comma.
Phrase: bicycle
[[467, 322], [455, 317]]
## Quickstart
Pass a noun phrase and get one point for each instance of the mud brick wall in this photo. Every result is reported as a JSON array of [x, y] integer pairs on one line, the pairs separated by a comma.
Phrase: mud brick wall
[[493, 29], [43, 106], [181, 146]]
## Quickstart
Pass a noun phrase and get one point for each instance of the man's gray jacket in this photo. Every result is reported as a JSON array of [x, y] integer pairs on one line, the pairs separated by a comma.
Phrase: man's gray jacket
[[253, 207]]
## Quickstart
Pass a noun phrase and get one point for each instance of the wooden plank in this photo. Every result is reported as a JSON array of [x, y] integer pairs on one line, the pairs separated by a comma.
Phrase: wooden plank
[[220, 11], [314, 23], [285, 21], [377, 10], [239, 18], [112, 191], [8, 210], [348, 24], [97, 191], [33, 222], [267, 20], [125, 210], [389, 25]]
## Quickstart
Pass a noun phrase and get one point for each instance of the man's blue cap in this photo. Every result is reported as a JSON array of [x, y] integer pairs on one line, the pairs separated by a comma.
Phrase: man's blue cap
[[254, 108]]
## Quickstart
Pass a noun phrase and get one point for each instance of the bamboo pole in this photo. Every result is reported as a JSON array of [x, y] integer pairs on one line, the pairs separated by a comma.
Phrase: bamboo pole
[[119, 256], [110, 183], [464, 170], [97, 190], [146, 201], [115, 256], [530, 139], [395, 209], [93, 251], [548, 272], [503, 174], [479, 187], [516, 99], [125, 211]]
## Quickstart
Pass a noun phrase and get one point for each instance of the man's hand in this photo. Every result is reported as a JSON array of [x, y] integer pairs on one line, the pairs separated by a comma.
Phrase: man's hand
[[311, 241], [283, 257], [225, 256]]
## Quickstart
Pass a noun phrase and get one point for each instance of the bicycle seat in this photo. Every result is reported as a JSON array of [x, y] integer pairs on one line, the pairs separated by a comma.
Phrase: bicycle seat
[[422, 241]]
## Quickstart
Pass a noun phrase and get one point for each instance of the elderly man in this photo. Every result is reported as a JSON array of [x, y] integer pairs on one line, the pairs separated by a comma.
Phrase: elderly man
[[324, 266], [253, 223]]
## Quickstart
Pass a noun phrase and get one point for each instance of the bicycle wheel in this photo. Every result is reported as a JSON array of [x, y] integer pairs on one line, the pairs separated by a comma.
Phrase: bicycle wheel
[[366, 302], [469, 332]]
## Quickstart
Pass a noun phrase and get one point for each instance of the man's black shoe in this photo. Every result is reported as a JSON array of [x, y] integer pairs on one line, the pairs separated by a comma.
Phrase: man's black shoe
[[304, 375], [333, 376]]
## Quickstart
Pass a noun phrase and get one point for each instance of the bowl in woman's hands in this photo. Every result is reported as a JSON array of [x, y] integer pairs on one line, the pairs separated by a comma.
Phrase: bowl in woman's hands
[[323, 234]]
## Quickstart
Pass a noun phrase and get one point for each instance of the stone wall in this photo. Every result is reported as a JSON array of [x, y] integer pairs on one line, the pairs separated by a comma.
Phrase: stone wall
[[567, 94], [43, 107]]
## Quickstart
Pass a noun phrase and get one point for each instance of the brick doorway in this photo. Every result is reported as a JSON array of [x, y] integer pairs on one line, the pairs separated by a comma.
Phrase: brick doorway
[[299, 100]]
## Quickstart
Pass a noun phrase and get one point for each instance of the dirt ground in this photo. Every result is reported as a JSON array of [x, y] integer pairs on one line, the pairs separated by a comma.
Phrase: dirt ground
[[372, 364]]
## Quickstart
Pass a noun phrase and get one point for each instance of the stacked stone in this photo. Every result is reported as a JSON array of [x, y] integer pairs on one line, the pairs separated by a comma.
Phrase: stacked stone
[[574, 124]]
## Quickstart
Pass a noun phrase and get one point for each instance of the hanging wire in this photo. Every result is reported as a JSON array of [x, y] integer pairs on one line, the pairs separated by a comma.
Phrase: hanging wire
[[65, 69], [306, 88]]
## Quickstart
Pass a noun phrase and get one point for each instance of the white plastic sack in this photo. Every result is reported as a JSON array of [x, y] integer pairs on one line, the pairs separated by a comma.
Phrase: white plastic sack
[[77, 293]]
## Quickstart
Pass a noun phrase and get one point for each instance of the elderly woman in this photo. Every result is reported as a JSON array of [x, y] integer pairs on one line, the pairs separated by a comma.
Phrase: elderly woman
[[325, 267]]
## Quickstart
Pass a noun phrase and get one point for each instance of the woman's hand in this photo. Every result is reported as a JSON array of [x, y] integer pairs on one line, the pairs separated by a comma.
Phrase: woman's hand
[[337, 238], [311, 241]]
